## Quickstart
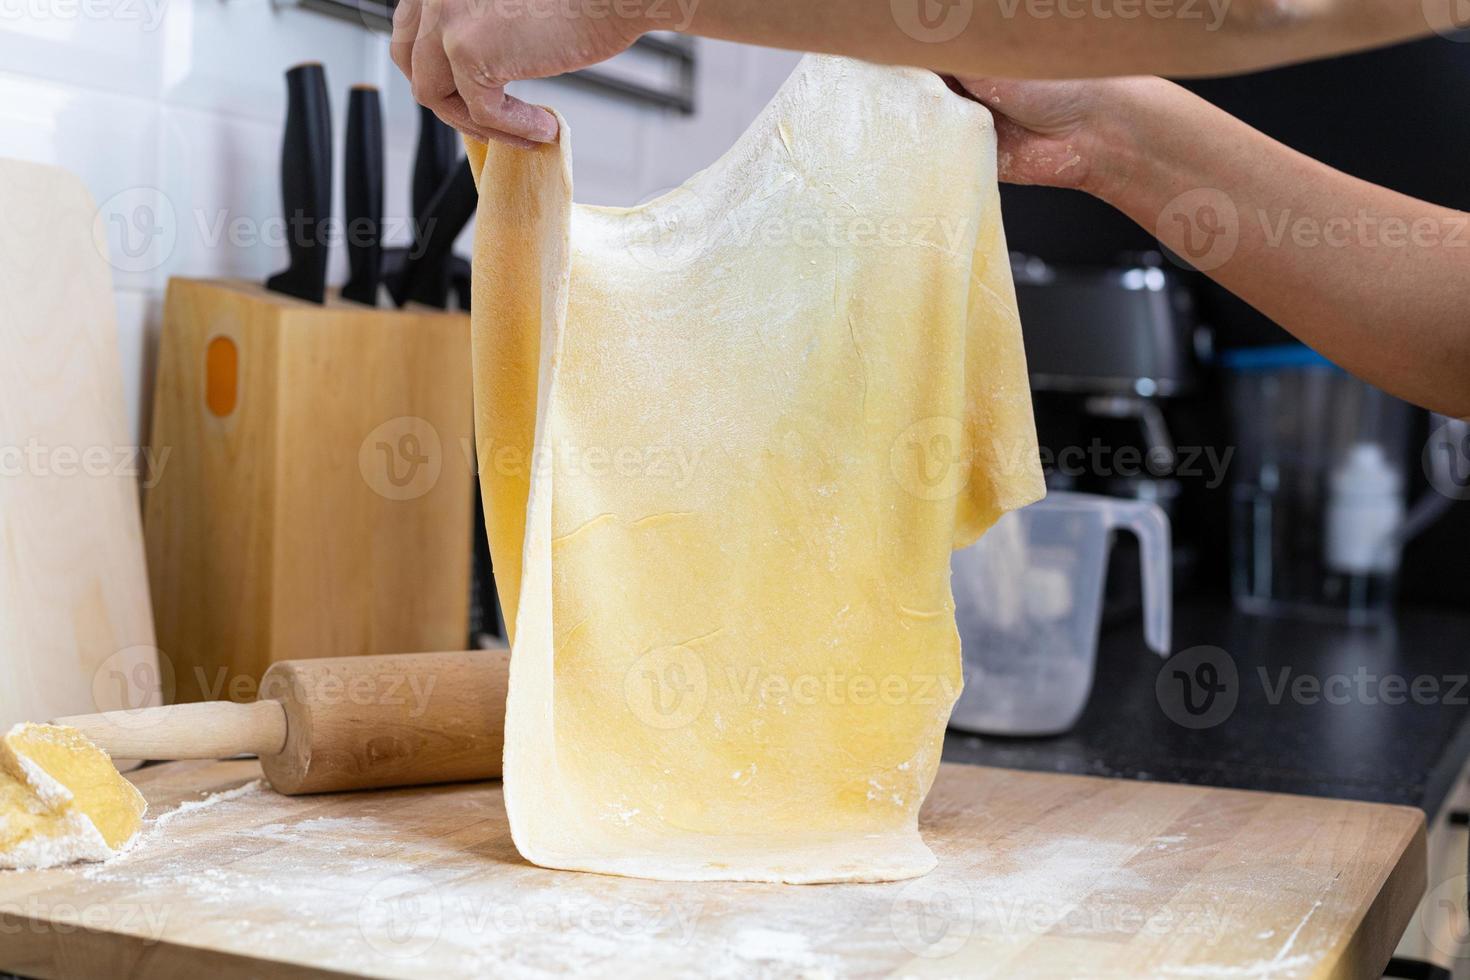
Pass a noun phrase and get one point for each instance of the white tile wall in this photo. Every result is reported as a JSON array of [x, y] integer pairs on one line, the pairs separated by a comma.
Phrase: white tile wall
[[171, 110]]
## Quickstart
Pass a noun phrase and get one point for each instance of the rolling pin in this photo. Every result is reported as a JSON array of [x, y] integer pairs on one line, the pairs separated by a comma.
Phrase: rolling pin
[[337, 723]]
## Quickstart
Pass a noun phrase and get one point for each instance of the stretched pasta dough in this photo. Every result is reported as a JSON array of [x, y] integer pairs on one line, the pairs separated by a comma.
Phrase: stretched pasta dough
[[727, 440]]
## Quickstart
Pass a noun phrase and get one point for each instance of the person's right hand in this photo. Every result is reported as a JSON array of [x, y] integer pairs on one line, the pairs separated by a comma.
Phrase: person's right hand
[[460, 54], [1072, 134]]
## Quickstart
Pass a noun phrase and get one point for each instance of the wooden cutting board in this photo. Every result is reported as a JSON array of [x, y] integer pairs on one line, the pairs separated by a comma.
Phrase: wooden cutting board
[[76, 631], [1040, 876]]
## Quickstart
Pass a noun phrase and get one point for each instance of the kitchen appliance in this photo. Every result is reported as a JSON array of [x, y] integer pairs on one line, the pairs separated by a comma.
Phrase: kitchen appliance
[[76, 633], [1028, 600], [1114, 359], [1319, 510]]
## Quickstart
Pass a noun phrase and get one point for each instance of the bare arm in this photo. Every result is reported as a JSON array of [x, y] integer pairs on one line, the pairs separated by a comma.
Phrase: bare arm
[[1376, 281], [460, 54], [1065, 38]]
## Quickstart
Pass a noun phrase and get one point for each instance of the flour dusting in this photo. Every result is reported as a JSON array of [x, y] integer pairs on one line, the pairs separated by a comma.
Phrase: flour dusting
[[213, 800]]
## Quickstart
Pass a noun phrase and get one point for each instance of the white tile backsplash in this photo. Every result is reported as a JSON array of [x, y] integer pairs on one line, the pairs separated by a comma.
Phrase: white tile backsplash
[[171, 111]]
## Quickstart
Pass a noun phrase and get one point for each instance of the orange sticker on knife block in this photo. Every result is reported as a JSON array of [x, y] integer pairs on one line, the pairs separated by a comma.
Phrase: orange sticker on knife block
[[221, 376]]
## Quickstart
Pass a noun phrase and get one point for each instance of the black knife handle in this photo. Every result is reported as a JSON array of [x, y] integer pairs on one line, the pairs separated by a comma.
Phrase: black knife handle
[[433, 164], [427, 268], [438, 149], [306, 184], [363, 195]]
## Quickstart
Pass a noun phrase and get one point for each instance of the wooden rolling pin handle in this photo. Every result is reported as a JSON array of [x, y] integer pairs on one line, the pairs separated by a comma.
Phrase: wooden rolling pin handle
[[337, 723], [207, 730]]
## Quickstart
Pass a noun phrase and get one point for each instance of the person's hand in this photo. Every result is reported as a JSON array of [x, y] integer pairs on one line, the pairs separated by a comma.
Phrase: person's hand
[[1064, 133], [459, 55]]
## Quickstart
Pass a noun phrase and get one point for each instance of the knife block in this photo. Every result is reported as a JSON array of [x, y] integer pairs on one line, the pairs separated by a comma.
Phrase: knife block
[[316, 497]]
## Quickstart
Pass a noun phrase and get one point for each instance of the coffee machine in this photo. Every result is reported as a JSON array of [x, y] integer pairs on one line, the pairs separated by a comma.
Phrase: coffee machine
[[1115, 356]]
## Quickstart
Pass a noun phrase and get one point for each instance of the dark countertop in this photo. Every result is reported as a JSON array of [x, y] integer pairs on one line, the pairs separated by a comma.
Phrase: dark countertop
[[1348, 741]]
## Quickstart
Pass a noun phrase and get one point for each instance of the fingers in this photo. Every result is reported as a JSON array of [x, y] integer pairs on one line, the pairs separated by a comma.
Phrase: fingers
[[405, 33], [981, 88], [492, 110], [1012, 152], [429, 72], [459, 89], [453, 113], [1003, 95]]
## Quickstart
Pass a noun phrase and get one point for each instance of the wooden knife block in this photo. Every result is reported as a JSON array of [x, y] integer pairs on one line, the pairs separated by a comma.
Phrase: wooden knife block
[[316, 498]]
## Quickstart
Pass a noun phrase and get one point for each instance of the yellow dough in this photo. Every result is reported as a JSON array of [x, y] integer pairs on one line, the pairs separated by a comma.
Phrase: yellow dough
[[727, 441], [62, 800]]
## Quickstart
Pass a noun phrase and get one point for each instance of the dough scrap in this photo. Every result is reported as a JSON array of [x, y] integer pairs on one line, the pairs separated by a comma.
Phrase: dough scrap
[[62, 800], [727, 440]]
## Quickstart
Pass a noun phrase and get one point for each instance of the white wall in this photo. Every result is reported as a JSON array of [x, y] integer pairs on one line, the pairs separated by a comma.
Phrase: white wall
[[171, 111]]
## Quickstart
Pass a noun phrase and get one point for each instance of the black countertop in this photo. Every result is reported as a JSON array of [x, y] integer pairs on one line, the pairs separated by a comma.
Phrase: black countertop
[[1380, 714]]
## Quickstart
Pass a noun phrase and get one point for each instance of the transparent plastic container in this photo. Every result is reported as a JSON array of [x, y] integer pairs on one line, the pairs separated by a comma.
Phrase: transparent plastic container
[[1319, 488], [1028, 599]]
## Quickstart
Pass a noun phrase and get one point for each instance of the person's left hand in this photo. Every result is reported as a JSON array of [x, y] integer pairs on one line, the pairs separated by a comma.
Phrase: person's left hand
[[1073, 134], [459, 55]]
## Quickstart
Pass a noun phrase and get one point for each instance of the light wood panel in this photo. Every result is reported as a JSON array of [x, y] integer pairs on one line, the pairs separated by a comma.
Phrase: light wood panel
[[76, 633], [327, 511], [1039, 876]]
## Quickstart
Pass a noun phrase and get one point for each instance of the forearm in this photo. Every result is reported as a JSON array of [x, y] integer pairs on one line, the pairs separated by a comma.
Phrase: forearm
[[1377, 281], [1056, 38]]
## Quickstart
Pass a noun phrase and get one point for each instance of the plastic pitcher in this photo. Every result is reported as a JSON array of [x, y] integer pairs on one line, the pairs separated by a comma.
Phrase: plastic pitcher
[[1028, 599]]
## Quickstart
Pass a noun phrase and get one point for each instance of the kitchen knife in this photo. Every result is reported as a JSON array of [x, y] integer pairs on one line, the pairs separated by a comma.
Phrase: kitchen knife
[[433, 161], [433, 164], [363, 195], [306, 183], [426, 271]]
